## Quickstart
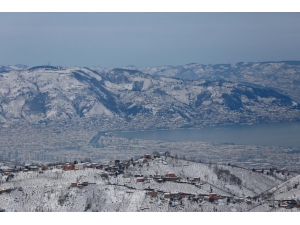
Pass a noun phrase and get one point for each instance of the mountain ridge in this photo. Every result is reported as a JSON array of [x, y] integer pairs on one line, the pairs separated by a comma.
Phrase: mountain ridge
[[46, 93]]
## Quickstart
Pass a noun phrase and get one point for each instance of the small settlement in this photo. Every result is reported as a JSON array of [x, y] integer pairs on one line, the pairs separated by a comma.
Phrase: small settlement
[[120, 168]]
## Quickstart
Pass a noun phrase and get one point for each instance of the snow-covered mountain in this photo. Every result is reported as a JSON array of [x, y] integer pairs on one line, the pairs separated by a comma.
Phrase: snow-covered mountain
[[283, 76], [135, 99]]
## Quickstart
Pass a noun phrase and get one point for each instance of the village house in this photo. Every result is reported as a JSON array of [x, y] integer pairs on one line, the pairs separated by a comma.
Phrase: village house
[[88, 165], [5, 191], [167, 195], [73, 184], [283, 205], [27, 165], [85, 164], [93, 165], [78, 166], [213, 196], [174, 194], [68, 166], [157, 176], [170, 174], [99, 166], [44, 167], [140, 179], [197, 179], [182, 195], [34, 168], [248, 202]]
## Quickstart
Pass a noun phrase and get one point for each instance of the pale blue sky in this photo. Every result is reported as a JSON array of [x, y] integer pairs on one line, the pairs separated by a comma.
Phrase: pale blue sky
[[147, 39]]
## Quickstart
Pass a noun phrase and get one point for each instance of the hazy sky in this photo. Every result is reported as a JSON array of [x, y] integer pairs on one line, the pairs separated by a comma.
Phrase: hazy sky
[[147, 39]]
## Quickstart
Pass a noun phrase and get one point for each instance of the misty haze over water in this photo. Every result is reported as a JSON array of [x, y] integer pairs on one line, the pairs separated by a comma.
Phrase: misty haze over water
[[274, 134]]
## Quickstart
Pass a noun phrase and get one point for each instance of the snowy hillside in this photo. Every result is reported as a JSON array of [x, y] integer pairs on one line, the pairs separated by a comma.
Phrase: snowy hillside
[[150, 183]]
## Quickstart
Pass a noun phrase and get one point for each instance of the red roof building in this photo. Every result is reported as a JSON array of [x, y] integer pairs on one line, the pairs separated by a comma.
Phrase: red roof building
[[213, 196], [73, 184], [69, 167], [170, 174], [167, 195], [140, 179]]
